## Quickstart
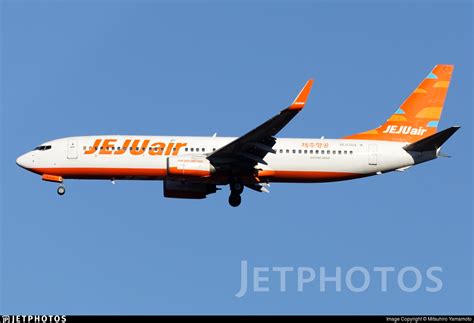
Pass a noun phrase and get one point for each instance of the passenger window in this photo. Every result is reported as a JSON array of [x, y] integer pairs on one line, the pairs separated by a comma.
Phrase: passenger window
[[334, 152], [287, 151], [328, 151], [305, 151], [213, 149], [281, 151], [322, 151], [311, 151], [316, 151], [339, 152], [192, 149], [186, 149], [350, 152], [299, 151], [203, 150], [294, 151], [345, 152]]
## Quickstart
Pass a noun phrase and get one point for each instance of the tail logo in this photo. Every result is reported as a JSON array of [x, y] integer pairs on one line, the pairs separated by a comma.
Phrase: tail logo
[[405, 130], [418, 116]]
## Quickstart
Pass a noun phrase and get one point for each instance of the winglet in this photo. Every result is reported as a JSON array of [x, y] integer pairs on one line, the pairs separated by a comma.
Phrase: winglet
[[300, 100]]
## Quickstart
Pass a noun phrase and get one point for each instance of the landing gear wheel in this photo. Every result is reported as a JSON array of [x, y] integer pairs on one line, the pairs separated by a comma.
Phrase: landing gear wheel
[[61, 190], [236, 187], [235, 199]]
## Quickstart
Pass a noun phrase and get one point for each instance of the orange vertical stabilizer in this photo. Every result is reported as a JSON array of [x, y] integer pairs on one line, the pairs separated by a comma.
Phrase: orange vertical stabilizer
[[418, 116]]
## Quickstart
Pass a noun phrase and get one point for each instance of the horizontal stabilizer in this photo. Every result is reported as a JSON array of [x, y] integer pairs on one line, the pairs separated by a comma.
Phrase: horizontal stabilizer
[[402, 169], [432, 142]]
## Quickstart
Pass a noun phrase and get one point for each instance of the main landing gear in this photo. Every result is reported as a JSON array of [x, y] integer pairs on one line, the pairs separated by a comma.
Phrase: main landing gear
[[61, 189], [236, 189]]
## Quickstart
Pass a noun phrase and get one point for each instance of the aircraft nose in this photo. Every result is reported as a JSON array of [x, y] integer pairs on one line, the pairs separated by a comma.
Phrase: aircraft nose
[[22, 161]]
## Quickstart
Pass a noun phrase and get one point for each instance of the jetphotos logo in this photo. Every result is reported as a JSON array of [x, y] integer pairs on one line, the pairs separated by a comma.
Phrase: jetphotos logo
[[33, 318], [355, 279], [405, 130]]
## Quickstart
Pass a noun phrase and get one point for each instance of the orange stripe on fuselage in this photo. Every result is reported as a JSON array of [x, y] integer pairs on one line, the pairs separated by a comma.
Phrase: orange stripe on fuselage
[[102, 173], [307, 176], [160, 173]]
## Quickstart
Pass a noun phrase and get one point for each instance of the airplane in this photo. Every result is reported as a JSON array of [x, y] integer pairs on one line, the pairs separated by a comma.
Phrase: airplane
[[194, 167]]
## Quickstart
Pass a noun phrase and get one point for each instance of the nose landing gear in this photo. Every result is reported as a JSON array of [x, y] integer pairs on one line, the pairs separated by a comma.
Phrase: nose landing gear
[[56, 179], [61, 190], [236, 189]]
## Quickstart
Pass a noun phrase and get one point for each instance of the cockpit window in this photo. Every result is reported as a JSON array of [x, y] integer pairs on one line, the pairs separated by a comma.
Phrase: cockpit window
[[43, 147]]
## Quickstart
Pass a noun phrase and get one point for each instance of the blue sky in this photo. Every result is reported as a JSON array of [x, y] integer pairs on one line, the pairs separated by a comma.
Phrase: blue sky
[[195, 68]]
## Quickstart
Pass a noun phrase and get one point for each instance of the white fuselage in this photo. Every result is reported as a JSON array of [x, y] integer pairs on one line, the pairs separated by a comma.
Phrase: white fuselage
[[145, 157]]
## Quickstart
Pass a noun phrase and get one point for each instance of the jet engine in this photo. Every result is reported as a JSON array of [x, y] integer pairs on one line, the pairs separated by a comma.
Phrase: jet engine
[[187, 190], [189, 166]]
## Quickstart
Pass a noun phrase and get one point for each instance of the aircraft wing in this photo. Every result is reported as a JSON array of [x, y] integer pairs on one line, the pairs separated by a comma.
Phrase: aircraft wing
[[246, 151]]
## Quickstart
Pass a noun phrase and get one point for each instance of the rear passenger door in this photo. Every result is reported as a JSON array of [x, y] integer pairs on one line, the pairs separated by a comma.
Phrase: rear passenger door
[[372, 154]]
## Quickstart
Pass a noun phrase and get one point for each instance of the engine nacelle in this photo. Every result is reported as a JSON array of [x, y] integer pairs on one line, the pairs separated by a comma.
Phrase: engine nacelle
[[187, 190], [189, 166]]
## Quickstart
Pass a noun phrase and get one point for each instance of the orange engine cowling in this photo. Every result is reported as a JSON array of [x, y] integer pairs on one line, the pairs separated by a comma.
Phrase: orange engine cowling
[[189, 166]]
